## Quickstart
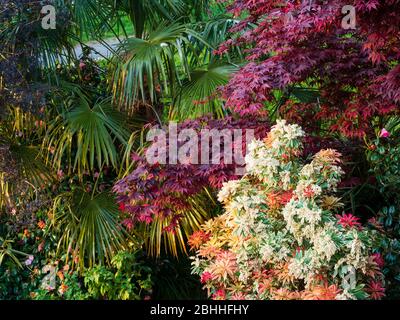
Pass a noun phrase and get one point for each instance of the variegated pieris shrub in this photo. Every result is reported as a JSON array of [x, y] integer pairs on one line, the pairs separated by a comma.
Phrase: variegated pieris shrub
[[283, 234]]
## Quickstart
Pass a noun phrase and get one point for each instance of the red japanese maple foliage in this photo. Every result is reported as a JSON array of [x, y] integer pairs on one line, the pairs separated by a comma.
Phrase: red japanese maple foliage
[[164, 190], [303, 43]]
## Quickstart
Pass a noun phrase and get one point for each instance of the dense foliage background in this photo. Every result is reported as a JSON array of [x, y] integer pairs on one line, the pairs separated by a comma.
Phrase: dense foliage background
[[84, 216]]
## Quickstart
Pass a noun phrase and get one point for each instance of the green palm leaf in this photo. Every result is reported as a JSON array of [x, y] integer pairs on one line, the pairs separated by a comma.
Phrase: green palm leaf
[[148, 67], [211, 34], [198, 95], [86, 137], [93, 16], [6, 250], [22, 166], [146, 14], [305, 94], [89, 227], [31, 165], [202, 209]]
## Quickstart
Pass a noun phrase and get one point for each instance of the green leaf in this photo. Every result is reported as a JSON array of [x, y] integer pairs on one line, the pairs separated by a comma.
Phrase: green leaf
[[86, 136], [90, 227], [199, 94]]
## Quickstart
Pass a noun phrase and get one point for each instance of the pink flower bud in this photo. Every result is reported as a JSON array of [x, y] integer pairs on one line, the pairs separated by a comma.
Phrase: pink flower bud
[[384, 133]]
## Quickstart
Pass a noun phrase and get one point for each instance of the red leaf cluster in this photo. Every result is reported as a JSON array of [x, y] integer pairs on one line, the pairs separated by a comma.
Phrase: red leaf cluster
[[163, 190], [303, 42]]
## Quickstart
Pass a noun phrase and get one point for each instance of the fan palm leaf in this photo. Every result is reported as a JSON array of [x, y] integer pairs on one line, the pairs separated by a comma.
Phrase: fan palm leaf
[[146, 14], [148, 67], [94, 17], [156, 238], [22, 165], [89, 227], [198, 95], [6, 250], [211, 34], [86, 137]]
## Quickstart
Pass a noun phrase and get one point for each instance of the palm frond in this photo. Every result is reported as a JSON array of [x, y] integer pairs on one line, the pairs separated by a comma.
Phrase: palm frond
[[5, 191], [31, 165], [86, 137], [137, 144], [6, 250], [392, 124], [199, 94], [305, 94], [202, 209], [211, 34], [148, 67], [22, 167], [148, 14], [94, 17], [89, 227]]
